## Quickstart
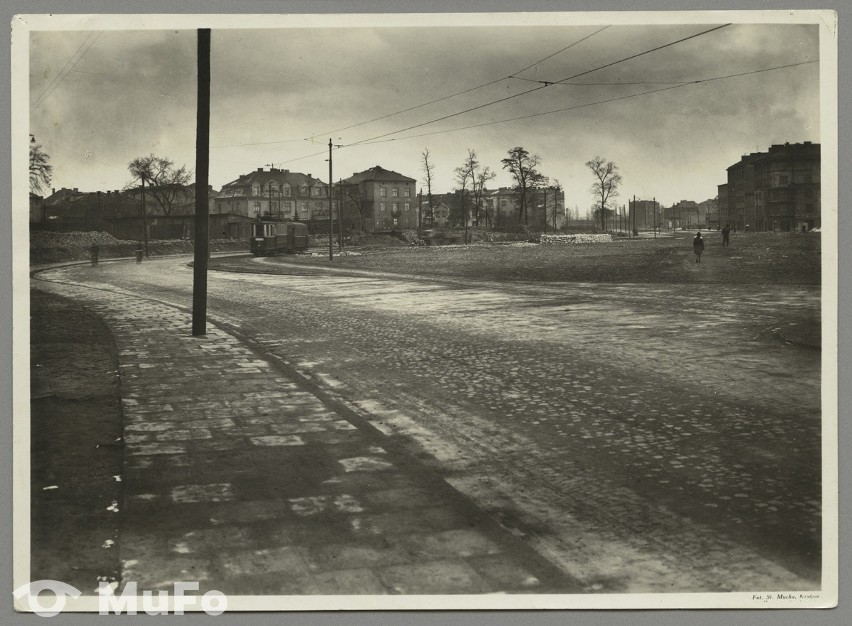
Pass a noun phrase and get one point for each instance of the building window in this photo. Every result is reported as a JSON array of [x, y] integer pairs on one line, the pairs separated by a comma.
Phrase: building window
[[285, 190], [406, 206], [257, 207], [382, 206], [395, 192], [304, 191], [288, 207], [316, 191], [255, 189], [383, 192], [303, 207], [407, 192]]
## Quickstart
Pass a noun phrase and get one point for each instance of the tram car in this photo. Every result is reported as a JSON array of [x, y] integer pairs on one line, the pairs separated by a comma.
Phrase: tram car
[[271, 237]]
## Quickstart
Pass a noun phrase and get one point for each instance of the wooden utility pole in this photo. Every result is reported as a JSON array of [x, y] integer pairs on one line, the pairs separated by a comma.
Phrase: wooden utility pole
[[420, 214], [654, 207], [330, 215], [202, 169]]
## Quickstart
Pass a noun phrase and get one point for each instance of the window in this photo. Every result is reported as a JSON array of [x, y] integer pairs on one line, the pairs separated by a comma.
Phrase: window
[[383, 192], [304, 191], [316, 191], [257, 207], [395, 192], [406, 206], [382, 206], [285, 190], [407, 192], [303, 207], [288, 207], [255, 189]]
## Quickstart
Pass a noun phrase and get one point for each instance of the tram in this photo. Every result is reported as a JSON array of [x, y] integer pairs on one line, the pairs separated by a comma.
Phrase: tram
[[270, 237]]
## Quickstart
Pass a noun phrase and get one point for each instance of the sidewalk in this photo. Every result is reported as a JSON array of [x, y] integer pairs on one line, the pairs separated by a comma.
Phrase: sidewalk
[[238, 477]]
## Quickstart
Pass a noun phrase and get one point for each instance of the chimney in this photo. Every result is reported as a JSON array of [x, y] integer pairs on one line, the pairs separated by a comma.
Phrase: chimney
[[52, 190], [76, 190]]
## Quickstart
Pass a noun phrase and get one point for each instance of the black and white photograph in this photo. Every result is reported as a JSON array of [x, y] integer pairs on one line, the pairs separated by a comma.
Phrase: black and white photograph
[[425, 311]]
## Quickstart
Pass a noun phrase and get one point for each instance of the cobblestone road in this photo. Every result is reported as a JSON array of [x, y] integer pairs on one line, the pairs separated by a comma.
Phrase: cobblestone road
[[644, 438]]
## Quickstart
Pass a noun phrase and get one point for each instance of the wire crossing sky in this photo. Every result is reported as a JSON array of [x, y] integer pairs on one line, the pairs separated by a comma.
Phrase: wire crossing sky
[[672, 104]]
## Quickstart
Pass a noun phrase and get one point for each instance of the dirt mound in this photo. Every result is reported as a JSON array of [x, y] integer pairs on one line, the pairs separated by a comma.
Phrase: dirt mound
[[44, 239]]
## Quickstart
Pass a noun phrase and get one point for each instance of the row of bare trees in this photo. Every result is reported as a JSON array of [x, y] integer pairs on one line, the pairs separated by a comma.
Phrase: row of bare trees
[[471, 178]]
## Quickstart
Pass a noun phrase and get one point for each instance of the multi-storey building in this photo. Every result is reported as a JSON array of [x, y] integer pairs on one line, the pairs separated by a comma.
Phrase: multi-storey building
[[379, 200], [282, 193], [645, 215], [774, 190]]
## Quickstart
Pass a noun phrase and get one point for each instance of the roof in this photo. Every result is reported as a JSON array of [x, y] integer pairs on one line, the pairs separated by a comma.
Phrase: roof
[[264, 177], [379, 173]]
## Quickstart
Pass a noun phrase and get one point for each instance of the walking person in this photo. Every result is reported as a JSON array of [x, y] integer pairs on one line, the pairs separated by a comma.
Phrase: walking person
[[726, 236], [698, 246]]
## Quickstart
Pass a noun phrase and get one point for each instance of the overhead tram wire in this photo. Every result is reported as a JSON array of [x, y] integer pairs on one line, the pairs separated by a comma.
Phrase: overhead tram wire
[[63, 73], [543, 86], [418, 106], [588, 104]]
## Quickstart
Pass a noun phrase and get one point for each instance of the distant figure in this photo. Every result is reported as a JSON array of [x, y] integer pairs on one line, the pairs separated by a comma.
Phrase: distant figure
[[726, 236], [95, 252], [139, 252], [697, 247]]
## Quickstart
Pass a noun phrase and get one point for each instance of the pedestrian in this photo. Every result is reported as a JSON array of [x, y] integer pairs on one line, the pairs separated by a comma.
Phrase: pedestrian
[[726, 236], [698, 246], [95, 252], [139, 252]]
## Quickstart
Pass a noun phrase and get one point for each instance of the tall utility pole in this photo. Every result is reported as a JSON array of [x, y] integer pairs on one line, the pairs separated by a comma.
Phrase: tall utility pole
[[330, 215], [202, 169], [420, 214]]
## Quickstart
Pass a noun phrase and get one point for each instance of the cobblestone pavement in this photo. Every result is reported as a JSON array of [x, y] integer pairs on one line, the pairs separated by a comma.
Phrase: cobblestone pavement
[[643, 438], [237, 478]]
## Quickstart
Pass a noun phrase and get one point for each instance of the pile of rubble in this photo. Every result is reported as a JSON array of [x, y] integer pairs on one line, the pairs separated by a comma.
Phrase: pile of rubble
[[44, 239], [579, 238]]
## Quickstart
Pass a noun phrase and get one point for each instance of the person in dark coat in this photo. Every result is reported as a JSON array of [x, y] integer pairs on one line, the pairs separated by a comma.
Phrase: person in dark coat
[[726, 236], [697, 247]]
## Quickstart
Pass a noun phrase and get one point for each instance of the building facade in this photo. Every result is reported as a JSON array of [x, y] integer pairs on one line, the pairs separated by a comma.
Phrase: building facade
[[776, 190], [645, 215], [379, 200], [274, 192]]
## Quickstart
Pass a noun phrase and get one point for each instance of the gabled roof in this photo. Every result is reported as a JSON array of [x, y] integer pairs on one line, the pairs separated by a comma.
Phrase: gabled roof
[[377, 173]]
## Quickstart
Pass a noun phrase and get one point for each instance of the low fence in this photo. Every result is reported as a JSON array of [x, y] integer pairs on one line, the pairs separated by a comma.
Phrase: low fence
[[576, 238]]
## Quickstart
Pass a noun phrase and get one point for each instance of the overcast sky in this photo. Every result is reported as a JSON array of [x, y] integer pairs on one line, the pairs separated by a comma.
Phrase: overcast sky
[[101, 98]]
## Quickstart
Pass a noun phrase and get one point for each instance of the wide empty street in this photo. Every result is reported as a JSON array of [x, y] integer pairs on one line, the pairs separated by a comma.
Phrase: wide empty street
[[643, 438]]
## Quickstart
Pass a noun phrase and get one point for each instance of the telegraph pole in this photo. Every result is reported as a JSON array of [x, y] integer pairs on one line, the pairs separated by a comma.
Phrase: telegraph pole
[[330, 215], [202, 167], [654, 205]]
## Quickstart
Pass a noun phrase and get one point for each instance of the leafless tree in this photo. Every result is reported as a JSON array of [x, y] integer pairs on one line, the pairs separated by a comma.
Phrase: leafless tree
[[606, 185], [464, 174], [162, 181], [41, 171], [552, 210], [428, 173], [523, 166]]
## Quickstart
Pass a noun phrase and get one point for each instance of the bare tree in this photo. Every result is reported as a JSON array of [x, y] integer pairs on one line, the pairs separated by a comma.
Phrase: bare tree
[[552, 211], [162, 181], [41, 171], [606, 185], [524, 168], [464, 174], [429, 173], [352, 195], [479, 177]]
